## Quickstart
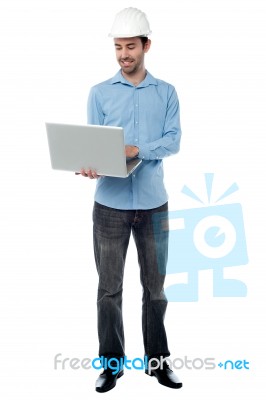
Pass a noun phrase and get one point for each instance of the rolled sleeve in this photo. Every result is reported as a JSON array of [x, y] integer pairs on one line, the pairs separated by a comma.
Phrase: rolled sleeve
[[170, 142]]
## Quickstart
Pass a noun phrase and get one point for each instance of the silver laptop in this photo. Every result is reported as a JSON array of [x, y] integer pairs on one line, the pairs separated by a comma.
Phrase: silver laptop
[[97, 147]]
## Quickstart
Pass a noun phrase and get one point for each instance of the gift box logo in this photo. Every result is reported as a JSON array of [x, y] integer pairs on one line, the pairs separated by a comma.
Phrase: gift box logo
[[208, 237]]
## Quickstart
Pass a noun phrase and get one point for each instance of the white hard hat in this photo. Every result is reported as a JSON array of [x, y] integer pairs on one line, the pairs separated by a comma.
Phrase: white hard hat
[[130, 22]]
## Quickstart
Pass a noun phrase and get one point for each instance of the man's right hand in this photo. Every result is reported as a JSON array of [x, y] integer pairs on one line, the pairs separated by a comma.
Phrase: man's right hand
[[90, 173]]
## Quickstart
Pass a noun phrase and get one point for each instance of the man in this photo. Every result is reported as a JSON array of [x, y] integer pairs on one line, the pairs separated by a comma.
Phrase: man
[[148, 110]]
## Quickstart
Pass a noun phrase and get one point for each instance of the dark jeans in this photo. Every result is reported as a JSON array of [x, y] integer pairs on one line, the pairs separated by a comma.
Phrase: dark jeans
[[111, 231]]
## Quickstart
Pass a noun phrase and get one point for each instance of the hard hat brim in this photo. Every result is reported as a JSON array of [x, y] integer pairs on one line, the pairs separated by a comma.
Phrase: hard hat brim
[[124, 35]]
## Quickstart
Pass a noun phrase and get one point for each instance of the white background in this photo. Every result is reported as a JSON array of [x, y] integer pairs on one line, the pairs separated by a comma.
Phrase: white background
[[52, 51]]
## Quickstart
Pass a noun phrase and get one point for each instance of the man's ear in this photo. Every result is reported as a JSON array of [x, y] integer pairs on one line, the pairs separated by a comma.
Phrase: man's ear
[[147, 46]]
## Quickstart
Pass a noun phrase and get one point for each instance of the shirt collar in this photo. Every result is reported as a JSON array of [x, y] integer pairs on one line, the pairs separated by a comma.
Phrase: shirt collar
[[149, 80]]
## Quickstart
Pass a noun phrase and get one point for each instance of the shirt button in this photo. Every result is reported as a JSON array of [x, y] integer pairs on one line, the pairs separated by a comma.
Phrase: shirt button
[[136, 105], [136, 140], [136, 122]]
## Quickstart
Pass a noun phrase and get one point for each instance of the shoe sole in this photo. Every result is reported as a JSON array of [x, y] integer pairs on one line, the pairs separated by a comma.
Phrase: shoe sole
[[100, 390]]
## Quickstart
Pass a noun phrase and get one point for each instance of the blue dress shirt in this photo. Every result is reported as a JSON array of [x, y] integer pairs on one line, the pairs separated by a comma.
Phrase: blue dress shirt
[[149, 114]]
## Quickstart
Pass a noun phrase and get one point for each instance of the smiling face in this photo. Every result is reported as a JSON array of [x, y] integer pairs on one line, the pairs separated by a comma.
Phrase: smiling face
[[130, 54]]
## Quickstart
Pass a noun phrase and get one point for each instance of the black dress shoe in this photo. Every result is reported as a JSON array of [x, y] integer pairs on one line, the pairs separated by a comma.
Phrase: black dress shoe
[[107, 380], [166, 376]]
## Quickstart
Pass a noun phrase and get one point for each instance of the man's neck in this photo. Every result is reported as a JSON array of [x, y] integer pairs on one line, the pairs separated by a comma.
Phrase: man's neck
[[136, 78]]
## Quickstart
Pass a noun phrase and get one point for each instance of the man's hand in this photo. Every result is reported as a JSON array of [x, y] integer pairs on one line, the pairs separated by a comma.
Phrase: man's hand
[[131, 151], [90, 173]]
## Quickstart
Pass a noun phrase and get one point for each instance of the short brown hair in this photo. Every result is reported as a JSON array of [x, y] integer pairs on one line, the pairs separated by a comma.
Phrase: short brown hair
[[144, 40]]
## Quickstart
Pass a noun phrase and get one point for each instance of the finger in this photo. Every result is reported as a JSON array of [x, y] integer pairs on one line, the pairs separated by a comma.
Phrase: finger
[[94, 174], [83, 172], [89, 174]]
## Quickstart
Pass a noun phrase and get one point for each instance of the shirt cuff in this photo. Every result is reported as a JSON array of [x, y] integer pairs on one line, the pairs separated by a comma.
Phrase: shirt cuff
[[147, 152], [144, 152]]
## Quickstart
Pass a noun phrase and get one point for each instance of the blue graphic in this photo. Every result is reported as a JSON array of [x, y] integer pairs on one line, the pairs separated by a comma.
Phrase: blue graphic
[[230, 364], [209, 237]]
